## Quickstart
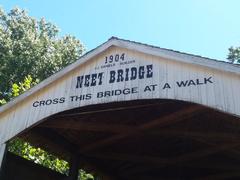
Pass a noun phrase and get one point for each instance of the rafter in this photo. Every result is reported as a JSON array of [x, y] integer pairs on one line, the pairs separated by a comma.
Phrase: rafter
[[198, 134], [169, 119], [162, 162], [203, 153], [220, 176], [85, 126], [111, 109]]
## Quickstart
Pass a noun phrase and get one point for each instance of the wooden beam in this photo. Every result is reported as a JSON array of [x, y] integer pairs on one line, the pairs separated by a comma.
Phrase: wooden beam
[[51, 141], [202, 153], [151, 160], [3, 161], [118, 128], [58, 139], [73, 167], [195, 135], [210, 165], [129, 158], [233, 153], [169, 119], [85, 126], [219, 176], [112, 109], [3, 150]]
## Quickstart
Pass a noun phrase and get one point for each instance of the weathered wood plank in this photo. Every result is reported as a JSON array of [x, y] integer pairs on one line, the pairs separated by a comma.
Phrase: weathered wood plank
[[178, 79], [2, 152], [161, 122]]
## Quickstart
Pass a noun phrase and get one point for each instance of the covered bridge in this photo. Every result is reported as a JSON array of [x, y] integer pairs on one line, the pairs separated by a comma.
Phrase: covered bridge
[[127, 110]]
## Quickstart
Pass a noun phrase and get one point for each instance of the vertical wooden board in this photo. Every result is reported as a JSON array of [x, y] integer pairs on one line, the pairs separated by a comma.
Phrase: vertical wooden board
[[157, 80], [126, 84], [160, 77], [219, 95], [228, 95], [177, 75], [100, 64], [5, 123], [141, 60], [2, 152], [130, 56], [202, 93], [235, 84]]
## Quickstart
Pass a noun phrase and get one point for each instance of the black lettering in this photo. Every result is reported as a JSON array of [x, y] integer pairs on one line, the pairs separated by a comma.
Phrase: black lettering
[[107, 93], [182, 83], [36, 104], [126, 77], [55, 100], [62, 100], [147, 88], [198, 82], [42, 103], [48, 102], [206, 80], [112, 77], [72, 97], [111, 59], [100, 77], [133, 73], [94, 82], [88, 96], [99, 94], [166, 85], [79, 81], [120, 75], [126, 91], [87, 78], [191, 82], [134, 90], [149, 71], [153, 86], [141, 72], [122, 57], [116, 57], [117, 92]]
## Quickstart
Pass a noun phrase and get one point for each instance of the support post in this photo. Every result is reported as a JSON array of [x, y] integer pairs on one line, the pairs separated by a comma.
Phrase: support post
[[2, 153], [74, 167], [3, 150]]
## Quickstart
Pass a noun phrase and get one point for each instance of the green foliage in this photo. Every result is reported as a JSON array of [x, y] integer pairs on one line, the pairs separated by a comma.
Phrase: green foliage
[[19, 88], [83, 175], [39, 156], [234, 54], [32, 47], [29, 152]]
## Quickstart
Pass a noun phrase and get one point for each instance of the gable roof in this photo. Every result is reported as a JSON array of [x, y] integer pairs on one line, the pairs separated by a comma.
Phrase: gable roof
[[131, 45]]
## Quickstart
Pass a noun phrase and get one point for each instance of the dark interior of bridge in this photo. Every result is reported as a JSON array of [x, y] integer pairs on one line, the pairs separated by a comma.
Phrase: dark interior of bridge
[[144, 140]]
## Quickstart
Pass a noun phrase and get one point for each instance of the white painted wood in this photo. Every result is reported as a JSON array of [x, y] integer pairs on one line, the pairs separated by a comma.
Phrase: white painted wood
[[155, 51], [2, 152], [168, 67]]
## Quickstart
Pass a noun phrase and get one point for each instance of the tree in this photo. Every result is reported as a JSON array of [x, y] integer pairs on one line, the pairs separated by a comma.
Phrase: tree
[[37, 155], [32, 47], [30, 51], [29, 152], [234, 54], [19, 88]]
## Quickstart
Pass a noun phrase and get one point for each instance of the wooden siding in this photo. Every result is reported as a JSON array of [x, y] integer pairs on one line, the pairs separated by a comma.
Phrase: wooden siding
[[218, 93]]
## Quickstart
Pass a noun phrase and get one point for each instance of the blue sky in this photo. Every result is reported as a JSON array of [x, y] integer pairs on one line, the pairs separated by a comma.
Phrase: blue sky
[[202, 27]]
